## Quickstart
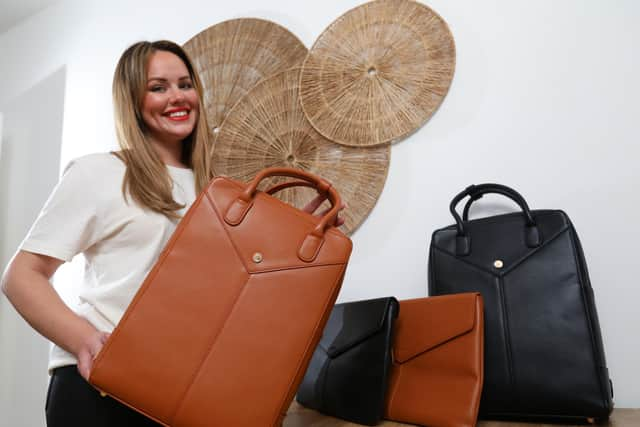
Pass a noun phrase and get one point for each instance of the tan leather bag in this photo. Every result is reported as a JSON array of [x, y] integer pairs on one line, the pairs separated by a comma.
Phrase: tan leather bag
[[437, 373], [223, 327]]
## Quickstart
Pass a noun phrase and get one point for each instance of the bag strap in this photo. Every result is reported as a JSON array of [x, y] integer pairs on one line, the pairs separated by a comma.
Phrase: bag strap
[[279, 187], [311, 244], [475, 192]]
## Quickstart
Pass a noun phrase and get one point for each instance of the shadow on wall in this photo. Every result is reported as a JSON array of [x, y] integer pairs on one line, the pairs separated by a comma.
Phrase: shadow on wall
[[31, 139]]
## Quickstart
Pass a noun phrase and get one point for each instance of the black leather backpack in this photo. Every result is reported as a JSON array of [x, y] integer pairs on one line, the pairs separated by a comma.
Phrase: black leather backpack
[[544, 357]]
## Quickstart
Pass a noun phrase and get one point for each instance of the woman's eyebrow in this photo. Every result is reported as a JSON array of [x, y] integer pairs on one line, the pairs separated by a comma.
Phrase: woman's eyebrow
[[162, 79]]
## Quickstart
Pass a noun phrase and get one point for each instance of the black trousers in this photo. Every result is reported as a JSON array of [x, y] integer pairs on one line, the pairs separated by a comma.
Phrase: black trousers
[[73, 402]]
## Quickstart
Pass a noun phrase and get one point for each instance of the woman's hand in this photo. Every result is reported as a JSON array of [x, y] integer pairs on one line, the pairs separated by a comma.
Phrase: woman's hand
[[26, 284], [88, 350], [314, 204]]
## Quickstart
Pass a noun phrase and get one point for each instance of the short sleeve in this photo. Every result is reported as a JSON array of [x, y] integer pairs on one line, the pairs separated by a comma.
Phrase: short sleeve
[[67, 224]]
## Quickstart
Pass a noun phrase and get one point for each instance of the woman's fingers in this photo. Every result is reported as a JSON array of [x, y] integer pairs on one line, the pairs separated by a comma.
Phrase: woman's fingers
[[315, 203], [339, 220], [84, 364], [89, 351]]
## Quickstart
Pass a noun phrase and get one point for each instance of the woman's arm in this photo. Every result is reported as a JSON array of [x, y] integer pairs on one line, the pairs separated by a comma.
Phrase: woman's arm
[[26, 284]]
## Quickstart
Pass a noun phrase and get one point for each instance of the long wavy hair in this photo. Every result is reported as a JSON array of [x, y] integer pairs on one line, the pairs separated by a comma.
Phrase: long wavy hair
[[146, 178]]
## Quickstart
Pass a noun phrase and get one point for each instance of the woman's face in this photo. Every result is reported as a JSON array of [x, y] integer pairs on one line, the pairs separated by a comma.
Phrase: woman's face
[[170, 104]]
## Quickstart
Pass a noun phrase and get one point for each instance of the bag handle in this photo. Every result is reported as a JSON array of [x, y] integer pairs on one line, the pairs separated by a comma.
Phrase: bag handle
[[475, 192], [311, 244], [279, 187]]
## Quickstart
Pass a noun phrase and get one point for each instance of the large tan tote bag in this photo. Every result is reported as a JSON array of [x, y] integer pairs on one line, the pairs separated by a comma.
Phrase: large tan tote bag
[[223, 327]]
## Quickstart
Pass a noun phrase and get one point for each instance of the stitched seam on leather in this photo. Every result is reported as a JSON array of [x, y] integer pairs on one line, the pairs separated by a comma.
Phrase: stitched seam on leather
[[240, 256], [507, 337], [224, 228], [515, 263], [462, 259], [163, 255], [329, 264], [535, 251], [214, 339], [228, 314], [359, 341], [590, 318], [334, 294], [468, 331], [154, 271], [317, 331]]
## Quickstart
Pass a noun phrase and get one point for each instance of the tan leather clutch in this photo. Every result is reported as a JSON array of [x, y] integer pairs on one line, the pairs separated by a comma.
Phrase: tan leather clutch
[[223, 327], [437, 373]]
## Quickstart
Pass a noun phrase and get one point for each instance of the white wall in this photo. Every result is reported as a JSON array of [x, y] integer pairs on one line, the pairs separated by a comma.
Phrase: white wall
[[544, 99], [29, 169]]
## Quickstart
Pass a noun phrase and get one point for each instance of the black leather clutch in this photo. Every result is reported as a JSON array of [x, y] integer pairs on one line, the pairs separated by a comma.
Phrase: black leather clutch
[[348, 374], [544, 356]]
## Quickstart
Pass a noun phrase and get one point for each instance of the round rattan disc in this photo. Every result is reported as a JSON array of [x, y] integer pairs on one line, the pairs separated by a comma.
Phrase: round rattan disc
[[268, 128], [378, 72], [232, 56]]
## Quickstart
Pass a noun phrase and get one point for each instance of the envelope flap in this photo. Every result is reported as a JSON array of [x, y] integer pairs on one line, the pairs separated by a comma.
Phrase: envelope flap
[[500, 237], [270, 233], [425, 323], [352, 323]]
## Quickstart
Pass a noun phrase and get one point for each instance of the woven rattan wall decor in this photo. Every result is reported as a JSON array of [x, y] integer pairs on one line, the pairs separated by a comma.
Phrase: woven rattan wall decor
[[232, 56], [378, 72], [268, 128]]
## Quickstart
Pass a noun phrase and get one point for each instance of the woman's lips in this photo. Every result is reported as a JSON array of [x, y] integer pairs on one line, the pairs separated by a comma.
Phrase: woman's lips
[[178, 115]]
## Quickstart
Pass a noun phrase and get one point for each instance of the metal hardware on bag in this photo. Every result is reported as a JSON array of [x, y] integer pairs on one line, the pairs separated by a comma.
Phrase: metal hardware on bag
[[498, 263], [103, 394], [257, 257]]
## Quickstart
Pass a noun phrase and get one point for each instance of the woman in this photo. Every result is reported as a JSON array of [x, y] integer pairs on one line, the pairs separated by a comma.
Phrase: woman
[[119, 210]]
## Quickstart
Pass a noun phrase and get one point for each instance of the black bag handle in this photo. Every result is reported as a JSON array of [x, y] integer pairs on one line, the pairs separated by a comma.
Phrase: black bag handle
[[475, 192]]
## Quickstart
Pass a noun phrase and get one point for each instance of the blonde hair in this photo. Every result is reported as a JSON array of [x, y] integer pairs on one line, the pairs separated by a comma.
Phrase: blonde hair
[[146, 178]]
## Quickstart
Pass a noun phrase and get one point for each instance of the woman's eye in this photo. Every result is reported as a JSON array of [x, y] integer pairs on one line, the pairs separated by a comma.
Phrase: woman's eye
[[157, 89], [186, 85]]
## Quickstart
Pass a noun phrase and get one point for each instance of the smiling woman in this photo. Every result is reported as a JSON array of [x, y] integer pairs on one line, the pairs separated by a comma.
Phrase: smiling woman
[[170, 105], [154, 83], [118, 210]]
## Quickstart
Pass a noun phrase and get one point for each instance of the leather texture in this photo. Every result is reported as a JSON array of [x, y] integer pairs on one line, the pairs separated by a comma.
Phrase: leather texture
[[223, 327], [349, 371], [437, 373], [544, 353]]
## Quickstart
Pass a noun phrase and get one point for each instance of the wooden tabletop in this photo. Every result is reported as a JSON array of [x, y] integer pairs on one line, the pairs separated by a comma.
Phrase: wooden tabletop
[[299, 416]]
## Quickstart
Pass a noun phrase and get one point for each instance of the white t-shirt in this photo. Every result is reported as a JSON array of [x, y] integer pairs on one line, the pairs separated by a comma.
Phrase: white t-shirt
[[120, 241]]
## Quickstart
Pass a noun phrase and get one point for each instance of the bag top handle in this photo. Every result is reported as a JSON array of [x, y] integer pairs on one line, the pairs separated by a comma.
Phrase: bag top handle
[[284, 185], [475, 192], [313, 241]]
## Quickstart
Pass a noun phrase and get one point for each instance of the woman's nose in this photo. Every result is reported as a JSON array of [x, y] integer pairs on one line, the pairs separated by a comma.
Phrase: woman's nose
[[176, 95]]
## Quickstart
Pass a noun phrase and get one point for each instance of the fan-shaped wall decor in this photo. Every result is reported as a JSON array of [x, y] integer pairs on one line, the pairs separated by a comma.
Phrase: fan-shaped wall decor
[[378, 72], [268, 128], [232, 56]]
